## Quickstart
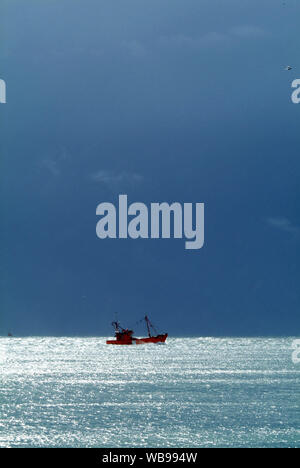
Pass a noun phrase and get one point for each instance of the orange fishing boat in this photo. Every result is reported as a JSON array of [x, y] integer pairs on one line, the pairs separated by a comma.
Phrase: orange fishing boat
[[125, 337]]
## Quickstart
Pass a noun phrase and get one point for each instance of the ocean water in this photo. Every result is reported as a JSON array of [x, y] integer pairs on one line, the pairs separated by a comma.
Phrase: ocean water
[[197, 392]]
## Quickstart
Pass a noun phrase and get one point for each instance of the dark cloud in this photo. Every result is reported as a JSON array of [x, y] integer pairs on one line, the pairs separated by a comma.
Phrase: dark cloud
[[170, 101]]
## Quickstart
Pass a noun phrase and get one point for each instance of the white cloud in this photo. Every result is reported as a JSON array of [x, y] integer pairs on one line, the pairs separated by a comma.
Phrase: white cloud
[[51, 166], [283, 224], [115, 180], [247, 31], [181, 40], [55, 163], [135, 48], [213, 38]]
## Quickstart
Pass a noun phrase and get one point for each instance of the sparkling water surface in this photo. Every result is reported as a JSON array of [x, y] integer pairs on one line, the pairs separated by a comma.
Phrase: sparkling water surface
[[190, 392]]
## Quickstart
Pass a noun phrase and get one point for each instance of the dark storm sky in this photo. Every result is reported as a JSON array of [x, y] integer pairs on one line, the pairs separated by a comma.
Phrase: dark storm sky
[[165, 100]]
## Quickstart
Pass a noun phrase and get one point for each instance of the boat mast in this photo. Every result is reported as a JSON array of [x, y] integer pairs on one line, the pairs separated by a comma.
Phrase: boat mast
[[116, 326], [148, 326]]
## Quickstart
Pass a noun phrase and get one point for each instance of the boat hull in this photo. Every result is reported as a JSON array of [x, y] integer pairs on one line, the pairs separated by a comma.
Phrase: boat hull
[[138, 341], [152, 339], [119, 342]]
